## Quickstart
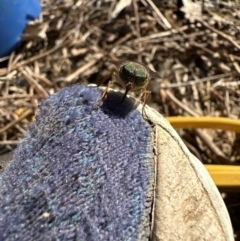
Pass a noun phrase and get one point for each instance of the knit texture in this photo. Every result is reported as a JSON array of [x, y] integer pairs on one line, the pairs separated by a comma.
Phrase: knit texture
[[82, 172]]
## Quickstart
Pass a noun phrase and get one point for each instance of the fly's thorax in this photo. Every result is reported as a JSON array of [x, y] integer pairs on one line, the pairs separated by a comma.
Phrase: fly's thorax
[[135, 73]]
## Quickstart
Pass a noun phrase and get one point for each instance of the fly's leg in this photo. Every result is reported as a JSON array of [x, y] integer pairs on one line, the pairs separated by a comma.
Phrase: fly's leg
[[144, 98], [105, 92], [100, 100], [108, 79]]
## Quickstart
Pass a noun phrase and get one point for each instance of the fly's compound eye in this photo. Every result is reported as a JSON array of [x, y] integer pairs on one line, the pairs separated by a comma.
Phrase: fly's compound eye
[[141, 76], [127, 72], [133, 72]]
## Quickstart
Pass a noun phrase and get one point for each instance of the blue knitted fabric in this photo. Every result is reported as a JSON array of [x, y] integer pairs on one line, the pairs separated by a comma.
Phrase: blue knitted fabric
[[81, 173]]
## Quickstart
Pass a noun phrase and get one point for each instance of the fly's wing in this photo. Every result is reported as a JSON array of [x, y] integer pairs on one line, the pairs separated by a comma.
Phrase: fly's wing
[[153, 74]]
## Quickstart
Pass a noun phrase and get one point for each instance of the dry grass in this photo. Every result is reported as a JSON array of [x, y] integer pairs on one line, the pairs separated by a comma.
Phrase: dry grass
[[194, 47]]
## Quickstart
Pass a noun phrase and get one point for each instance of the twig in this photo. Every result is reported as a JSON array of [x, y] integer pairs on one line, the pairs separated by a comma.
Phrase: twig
[[39, 89], [194, 82], [13, 142], [14, 122], [135, 6], [10, 62], [159, 14], [14, 96], [83, 68], [36, 57], [227, 37], [42, 78], [179, 103], [220, 157]]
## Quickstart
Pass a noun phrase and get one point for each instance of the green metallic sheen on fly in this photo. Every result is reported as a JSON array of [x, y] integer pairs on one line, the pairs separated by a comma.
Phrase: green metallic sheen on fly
[[132, 76], [134, 71]]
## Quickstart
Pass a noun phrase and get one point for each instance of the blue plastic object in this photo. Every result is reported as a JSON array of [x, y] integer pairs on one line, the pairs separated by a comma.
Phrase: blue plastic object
[[14, 15]]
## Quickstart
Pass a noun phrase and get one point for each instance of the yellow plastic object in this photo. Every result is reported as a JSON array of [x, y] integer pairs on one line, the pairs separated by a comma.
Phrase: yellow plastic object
[[225, 176], [205, 122], [22, 111]]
